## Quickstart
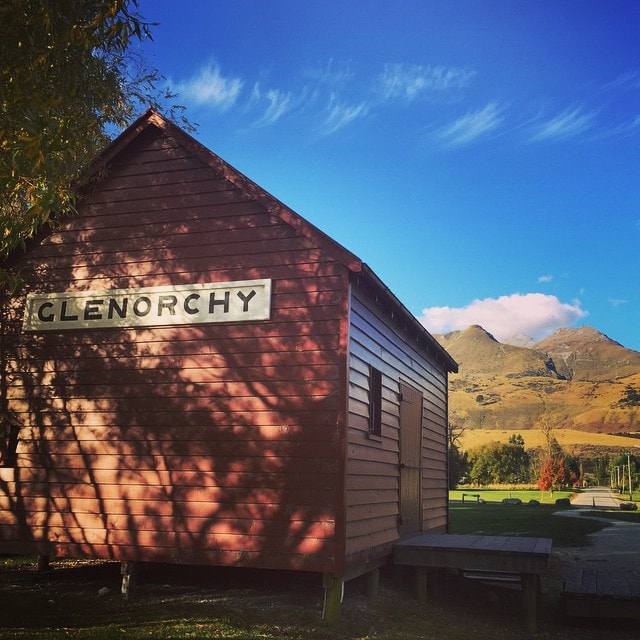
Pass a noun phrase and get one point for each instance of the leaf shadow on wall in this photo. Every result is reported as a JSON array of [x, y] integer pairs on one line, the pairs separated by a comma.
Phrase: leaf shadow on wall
[[209, 444]]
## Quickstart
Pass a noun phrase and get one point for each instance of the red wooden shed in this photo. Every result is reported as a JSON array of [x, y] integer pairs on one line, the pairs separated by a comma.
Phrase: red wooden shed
[[196, 374]]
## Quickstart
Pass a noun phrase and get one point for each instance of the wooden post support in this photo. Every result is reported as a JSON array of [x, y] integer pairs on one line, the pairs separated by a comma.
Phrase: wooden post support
[[129, 572], [530, 587], [43, 564], [422, 580], [333, 592], [373, 582]]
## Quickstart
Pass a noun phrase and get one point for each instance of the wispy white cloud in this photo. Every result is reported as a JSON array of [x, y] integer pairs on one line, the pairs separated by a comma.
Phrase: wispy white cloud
[[619, 130], [210, 87], [612, 119], [335, 75], [627, 81], [340, 114], [534, 314], [545, 278], [617, 302], [413, 81], [567, 124], [277, 104], [335, 95], [471, 126]]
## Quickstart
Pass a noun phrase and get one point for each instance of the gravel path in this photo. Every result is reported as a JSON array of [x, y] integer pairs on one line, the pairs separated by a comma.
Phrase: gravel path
[[616, 547]]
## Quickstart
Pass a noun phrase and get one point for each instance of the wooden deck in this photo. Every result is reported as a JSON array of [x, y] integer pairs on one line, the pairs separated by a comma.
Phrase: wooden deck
[[525, 557], [602, 593]]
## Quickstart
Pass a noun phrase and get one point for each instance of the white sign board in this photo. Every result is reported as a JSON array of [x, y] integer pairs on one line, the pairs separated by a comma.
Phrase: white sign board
[[240, 301]]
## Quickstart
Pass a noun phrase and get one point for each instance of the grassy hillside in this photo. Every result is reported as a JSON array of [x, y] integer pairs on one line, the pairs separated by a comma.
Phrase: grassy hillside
[[582, 381], [570, 439], [503, 402]]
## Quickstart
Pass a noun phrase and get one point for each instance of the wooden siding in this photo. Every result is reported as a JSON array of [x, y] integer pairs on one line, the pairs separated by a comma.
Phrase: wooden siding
[[210, 443], [373, 463], [410, 459]]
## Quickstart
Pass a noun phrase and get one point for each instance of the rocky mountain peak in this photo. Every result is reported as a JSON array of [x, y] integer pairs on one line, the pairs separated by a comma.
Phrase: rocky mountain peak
[[579, 378], [520, 340]]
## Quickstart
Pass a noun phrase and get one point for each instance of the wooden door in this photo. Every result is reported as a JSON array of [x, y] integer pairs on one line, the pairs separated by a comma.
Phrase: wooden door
[[410, 460]]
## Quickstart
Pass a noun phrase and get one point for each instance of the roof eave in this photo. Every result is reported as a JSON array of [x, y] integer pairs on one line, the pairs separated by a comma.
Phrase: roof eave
[[432, 344]]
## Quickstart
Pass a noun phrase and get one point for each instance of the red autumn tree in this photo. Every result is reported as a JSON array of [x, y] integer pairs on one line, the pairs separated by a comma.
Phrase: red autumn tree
[[553, 474]]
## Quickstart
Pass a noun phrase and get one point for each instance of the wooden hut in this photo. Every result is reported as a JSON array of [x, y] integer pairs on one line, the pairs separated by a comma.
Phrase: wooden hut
[[196, 374]]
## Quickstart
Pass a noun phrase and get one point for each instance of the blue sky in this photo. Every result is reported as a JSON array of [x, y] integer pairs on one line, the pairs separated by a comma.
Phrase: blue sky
[[482, 157]]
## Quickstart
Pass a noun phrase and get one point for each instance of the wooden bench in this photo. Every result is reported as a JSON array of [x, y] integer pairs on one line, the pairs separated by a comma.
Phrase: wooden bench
[[471, 495], [601, 593], [525, 557]]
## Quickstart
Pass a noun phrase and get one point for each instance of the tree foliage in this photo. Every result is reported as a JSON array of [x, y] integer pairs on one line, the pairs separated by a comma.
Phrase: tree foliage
[[631, 397], [457, 461], [516, 440], [69, 74], [552, 474], [498, 462], [603, 471], [558, 469], [619, 470]]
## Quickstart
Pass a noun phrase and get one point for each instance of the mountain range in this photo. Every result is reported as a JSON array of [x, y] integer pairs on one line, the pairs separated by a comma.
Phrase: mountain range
[[575, 378]]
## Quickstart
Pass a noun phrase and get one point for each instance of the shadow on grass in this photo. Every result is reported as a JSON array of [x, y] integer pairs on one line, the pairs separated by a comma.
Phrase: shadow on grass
[[172, 601], [206, 602]]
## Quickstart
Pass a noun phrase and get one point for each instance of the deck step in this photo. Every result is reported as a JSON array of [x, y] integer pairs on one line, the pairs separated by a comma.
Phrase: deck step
[[602, 593]]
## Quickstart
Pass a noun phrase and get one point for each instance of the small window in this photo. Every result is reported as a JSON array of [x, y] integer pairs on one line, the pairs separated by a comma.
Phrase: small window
[[8, 444], [375, 402]]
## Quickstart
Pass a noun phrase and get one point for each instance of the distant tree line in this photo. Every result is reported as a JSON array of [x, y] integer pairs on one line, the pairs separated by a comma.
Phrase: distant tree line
[[500, 463], [613, 471], [549, 467]]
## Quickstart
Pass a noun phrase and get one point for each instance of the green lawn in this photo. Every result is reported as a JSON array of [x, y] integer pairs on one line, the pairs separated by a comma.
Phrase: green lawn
[[491, 517], [496, 519], [497, 495]]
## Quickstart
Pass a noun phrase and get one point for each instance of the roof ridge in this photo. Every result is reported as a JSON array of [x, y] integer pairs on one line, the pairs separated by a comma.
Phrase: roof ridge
[[274, 206]]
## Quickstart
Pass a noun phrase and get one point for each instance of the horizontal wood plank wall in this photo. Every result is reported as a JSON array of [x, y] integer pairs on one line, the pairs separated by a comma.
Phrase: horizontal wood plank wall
[[203, 444], [372, 465]]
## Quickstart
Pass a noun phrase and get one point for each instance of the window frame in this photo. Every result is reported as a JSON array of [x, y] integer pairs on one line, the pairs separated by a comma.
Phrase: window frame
[[375, 403]]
